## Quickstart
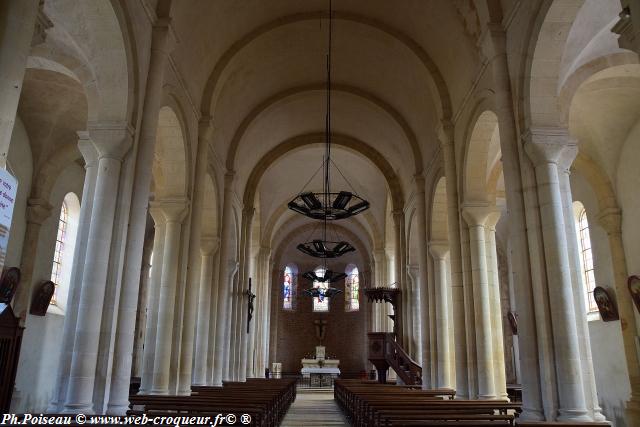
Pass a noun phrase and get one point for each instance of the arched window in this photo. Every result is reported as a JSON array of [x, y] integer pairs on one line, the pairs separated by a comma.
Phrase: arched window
[[352, 288], [61, 237], [320, 303], [287, 289], [64, 251], [586, 257]]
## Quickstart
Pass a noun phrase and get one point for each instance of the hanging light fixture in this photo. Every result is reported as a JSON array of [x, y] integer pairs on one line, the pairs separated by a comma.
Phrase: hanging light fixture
[[328, 205]]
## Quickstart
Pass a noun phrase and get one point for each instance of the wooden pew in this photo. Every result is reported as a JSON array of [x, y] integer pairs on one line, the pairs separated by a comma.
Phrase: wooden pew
[[265, 400], [367, 404]]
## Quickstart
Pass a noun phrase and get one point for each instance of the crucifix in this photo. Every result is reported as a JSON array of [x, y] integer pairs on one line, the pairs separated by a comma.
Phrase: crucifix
[[251, 296], [320, 329]]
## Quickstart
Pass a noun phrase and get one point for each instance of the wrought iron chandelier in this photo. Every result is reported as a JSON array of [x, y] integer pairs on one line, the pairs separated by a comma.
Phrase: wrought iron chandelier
[[328, 205]]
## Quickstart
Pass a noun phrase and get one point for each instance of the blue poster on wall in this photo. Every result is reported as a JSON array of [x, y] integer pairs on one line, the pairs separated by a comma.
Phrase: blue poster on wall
[[8, 191]]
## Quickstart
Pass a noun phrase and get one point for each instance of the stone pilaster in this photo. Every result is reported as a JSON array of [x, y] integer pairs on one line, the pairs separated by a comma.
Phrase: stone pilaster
[[226, 264], [153, 298], [399, 234], [446, 138], [90, 156], [439, 252], [112, 141], [611, 220], [174, 212], [476, 216], [545, 148]]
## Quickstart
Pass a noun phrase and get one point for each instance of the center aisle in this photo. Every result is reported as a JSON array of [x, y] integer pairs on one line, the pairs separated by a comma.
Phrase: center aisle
[[314, 408]]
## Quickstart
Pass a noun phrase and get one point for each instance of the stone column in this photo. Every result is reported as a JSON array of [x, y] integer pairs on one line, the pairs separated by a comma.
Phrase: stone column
[[439, 251], [112, 141], [19, 18], [90, 156], [243, 286], [209, 245], [445, 134], [205, 130], [162, 44], [213, 309], [399, 266], [423, 267], [494, 48], [413, 274], [589, 380], [174, 212], [544, 147], [476, 216], [38, 211], [497, 333], [141, 319], [226, 265], [153, 298], [611, 220]]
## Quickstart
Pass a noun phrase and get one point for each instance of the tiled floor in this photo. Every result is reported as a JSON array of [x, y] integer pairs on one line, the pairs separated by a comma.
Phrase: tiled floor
[[314, 408]]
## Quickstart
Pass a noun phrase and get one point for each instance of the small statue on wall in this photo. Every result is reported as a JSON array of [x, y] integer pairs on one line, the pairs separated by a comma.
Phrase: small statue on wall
[[8, 284], [42, 298], [606, 306]]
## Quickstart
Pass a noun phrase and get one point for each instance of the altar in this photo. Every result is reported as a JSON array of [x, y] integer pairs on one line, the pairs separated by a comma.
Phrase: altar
[[320, 372]]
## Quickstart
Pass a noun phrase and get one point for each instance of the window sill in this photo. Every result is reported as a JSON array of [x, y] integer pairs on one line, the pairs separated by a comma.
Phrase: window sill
[[593, 315]]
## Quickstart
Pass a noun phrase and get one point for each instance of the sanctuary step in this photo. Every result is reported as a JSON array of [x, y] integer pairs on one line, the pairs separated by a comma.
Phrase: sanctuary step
[[314, 407]]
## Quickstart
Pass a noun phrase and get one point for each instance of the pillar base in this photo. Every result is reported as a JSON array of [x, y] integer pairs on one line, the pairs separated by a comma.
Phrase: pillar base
[[573, 415], [78, 409], [118, 409], [529, 414]]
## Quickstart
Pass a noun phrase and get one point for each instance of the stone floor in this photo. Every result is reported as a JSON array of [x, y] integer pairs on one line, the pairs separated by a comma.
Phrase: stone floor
[[314, 407]]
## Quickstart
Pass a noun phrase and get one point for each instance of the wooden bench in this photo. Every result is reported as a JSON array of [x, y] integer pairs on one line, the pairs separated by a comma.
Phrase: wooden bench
[[378, 405], [265, 400]]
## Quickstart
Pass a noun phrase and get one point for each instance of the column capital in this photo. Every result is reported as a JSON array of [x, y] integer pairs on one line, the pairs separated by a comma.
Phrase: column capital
[[611, 220], [547, 144], [205, 128], [439, 249], [163, 36], [87, 149], [174, 210], [209, 245], [445, 131], [479, 213], [229, 176], [38, 210], [157, 215], [111, 139]]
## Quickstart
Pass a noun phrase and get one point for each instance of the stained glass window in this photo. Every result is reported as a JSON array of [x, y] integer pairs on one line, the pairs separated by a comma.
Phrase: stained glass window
[[320, 303], [352, 288], [287, 289]]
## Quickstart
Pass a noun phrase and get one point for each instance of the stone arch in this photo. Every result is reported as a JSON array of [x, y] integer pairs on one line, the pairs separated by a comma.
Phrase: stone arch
[[353, 90], [597, 179], [170, 167], [348, 142], [439, 225], [97, 52], [480, 157], [584, 72], [210, 219], [437, 81]]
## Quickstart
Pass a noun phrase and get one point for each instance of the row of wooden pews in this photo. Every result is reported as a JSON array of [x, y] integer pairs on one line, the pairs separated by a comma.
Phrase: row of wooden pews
[[265, 400], [372, 404]]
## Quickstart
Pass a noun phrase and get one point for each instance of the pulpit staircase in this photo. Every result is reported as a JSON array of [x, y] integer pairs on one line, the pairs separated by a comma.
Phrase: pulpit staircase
[[385, 352]]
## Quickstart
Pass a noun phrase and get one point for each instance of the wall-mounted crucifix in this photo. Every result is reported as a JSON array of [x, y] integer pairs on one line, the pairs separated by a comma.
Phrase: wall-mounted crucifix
[[251, 296]]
